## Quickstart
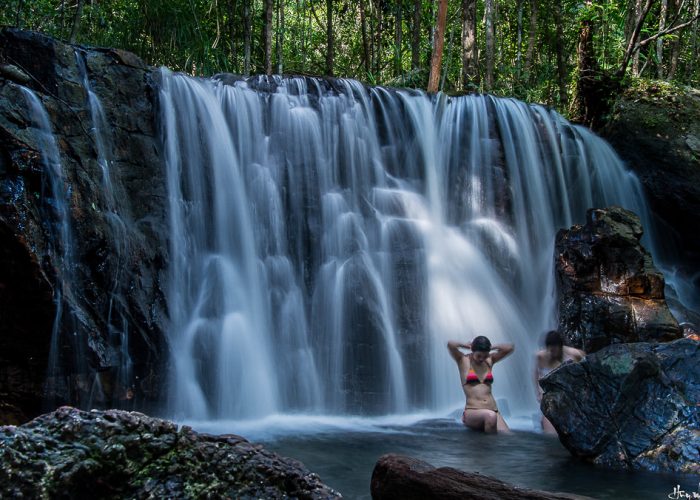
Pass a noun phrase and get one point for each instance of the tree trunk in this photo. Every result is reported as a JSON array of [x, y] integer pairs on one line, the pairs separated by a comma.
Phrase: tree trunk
[[415, 39], [378, 40], [532, 39], [490, 45], [307, 30], [431, 32], [18, 17], [231, 12], [62, 17], [470, 55], [561, 63], [693, 42], [436, 60], [247, 35], [675, 45], [450, 46], [365, 43], [635, 12], [76, 22], [518, 55], [280, 35], [660, 41], [398, 35], [329, 37], [594, 88], [267, 36]]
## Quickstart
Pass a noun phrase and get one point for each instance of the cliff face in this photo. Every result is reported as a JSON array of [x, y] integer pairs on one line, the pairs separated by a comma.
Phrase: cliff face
[[97, 279], [655, 128]]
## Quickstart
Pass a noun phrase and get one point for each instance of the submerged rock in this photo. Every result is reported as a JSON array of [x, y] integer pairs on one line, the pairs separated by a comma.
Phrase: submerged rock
[[609, 290], [397, 476], [634, 406], [116, 454]]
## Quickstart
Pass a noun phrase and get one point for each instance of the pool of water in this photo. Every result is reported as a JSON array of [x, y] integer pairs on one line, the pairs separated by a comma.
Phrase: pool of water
[[343, 452]]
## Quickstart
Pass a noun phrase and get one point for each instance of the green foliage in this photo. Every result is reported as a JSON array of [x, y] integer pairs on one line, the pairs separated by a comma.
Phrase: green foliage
[[204, 37]]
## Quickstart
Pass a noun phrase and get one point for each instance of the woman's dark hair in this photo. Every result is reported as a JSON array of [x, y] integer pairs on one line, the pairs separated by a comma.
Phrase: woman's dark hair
[[553, 338], [481, 344]]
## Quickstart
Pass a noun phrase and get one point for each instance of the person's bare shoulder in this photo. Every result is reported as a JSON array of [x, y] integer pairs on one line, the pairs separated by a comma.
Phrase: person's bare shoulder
[[575, 354], [540, 356]]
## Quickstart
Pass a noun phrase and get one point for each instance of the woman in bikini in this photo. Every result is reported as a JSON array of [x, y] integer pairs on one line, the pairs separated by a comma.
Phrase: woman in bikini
[[552, 356], [480, 411]]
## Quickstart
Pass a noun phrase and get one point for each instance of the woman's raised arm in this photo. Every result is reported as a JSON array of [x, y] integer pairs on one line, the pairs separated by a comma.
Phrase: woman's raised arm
[[500, 351], [453, 346]]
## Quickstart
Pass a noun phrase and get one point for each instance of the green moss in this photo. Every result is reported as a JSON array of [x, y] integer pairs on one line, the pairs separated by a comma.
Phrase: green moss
[[620, 364]]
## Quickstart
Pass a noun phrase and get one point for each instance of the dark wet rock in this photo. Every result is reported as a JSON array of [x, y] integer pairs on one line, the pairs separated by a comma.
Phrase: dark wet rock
[[120, 246], [633, 406], [609, 290], [117, 454], [397, 476], [656, 130]]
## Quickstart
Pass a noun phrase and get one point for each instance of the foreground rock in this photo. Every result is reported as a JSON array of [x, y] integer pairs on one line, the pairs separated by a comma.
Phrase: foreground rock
[[397, 476], [609, 290], [115, 454], [633, 406]]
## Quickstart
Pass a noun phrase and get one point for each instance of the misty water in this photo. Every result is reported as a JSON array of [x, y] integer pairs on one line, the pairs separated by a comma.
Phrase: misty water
[[327, 239]]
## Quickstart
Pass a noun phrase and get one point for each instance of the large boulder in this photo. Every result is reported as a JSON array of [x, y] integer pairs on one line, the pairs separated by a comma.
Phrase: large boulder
[[633, 406], [117, 454], [609, 290], [103, 309], [397, 476]]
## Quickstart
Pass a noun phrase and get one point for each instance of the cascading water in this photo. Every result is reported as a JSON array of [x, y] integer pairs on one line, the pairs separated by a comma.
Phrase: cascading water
[[116, 215], [56, 193], [327, 239]]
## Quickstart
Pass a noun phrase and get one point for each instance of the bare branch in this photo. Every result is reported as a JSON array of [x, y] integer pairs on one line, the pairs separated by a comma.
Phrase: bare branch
[[666, 32], [632, 45]]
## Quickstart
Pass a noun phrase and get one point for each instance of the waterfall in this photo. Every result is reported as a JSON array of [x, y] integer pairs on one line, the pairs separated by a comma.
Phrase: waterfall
[[56, 195], [327, 239], [117, 217]]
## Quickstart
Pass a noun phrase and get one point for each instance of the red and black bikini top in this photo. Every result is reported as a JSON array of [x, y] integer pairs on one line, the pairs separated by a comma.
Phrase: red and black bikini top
[[473, 378]]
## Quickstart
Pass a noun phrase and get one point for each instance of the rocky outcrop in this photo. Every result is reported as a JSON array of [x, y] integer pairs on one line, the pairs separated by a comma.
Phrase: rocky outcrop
[[609, 290], [116, 454], [656, 130], [634, 406], [397, 476], [108, 299]]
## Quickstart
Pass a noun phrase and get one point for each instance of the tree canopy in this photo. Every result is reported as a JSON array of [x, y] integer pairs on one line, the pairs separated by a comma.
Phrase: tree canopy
[[535, 50]]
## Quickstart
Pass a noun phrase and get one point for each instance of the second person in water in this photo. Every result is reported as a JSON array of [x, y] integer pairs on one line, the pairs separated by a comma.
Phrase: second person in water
[[480, 412]]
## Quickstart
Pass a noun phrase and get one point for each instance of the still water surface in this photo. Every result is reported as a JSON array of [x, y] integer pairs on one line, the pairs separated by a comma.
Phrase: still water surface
[[343, 451]]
